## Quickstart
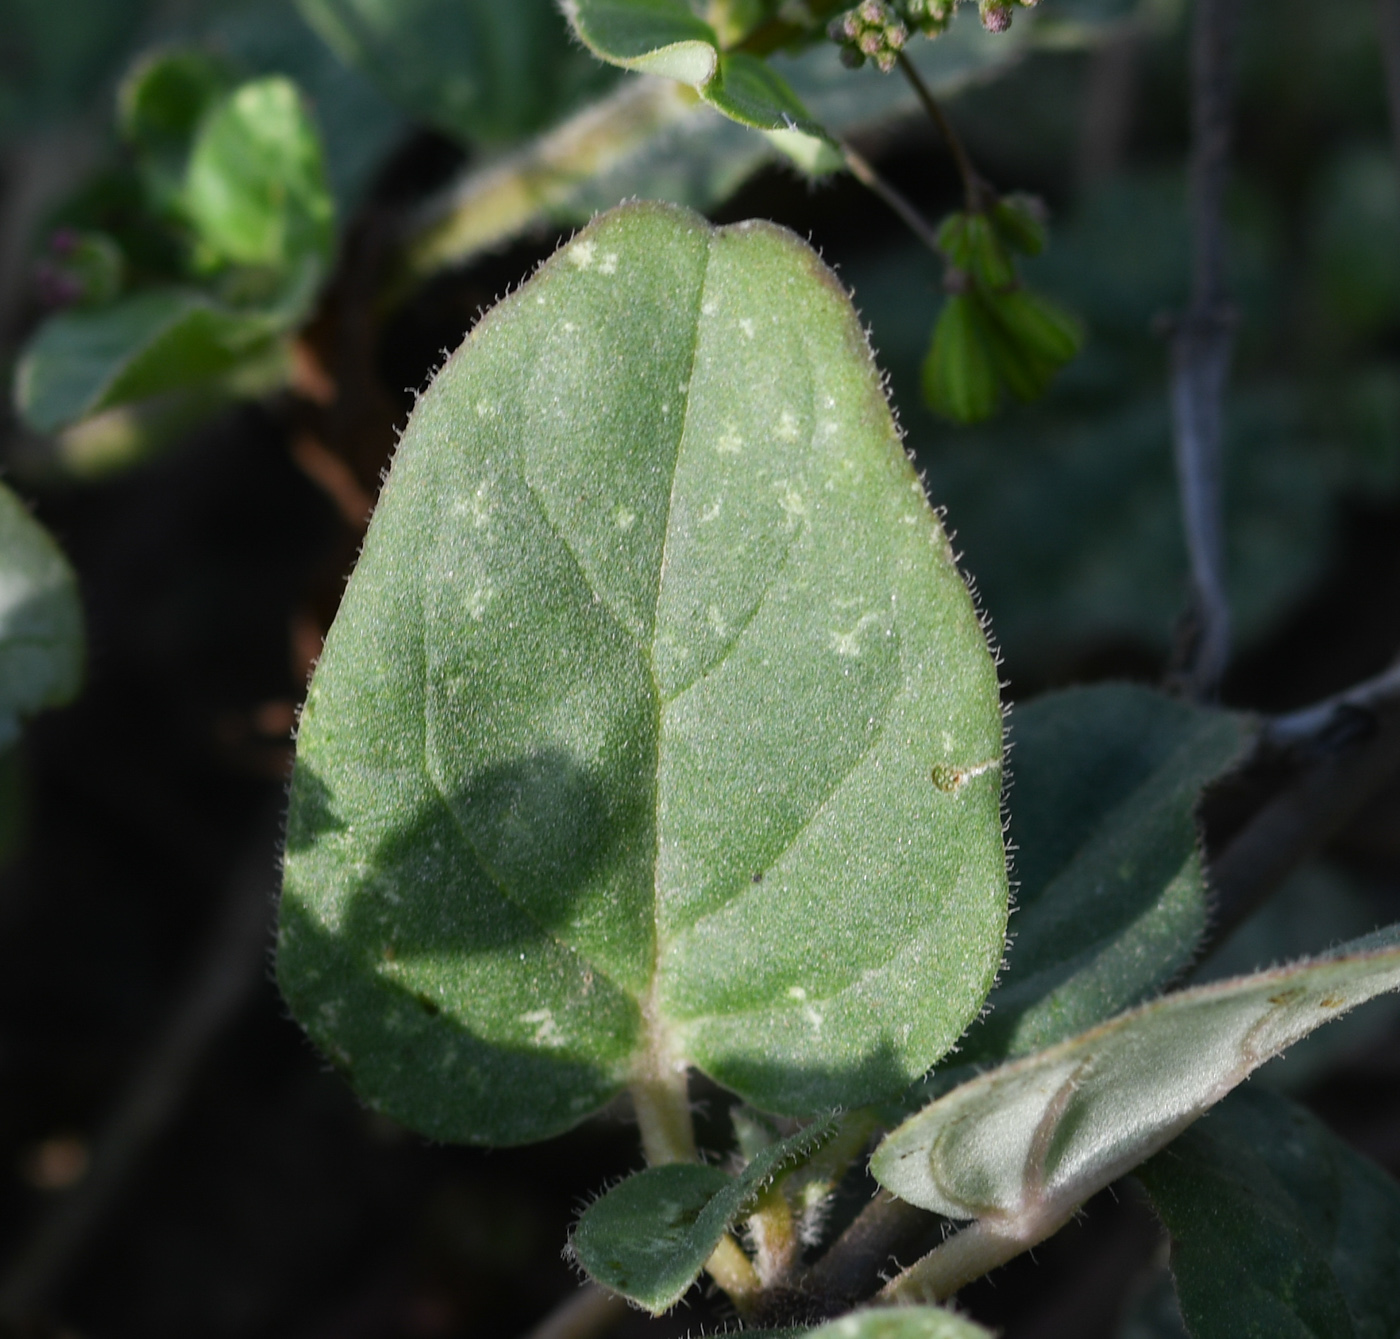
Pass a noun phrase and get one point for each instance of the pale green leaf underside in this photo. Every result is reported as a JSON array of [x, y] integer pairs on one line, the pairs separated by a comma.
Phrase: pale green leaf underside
[[649, 1237], [41, 620], [1048, 1131], [631, 712], [912, 1322], [1111, 899], [1278, 1228]]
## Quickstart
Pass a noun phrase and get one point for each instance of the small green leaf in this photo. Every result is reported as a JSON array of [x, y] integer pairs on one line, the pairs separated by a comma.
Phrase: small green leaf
[[751, 92], [986, 257], [80, 362], [621, 752], [664, 37], [1040, 327], [655, 36], [1020, 222], [255, 188], [1112, 900], [1036, 1137], [1278, 1227], [159, 107], [959, 376], [648, 1238], [41, 620]]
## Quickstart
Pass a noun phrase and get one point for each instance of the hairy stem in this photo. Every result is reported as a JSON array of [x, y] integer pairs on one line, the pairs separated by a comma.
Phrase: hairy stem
[[968, 1255], [975, 191], [1201, 349], [661, 1100], [858, 1255], [774, 1234]]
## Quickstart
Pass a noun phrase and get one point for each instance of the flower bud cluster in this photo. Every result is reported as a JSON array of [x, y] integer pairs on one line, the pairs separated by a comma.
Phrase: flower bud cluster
[[873, 31], [929, 17]]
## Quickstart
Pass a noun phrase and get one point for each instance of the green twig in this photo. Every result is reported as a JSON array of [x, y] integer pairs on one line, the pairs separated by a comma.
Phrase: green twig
[[975, 191], [868, 177]]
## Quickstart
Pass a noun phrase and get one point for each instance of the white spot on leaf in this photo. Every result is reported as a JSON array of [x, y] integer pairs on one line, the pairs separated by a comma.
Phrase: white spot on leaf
[[581, 253], [848, 643], [546, 1029]]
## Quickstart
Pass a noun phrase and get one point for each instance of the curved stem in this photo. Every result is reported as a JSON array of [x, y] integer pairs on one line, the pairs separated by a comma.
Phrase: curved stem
[[868, 177], [975, 190], [967, 1255]]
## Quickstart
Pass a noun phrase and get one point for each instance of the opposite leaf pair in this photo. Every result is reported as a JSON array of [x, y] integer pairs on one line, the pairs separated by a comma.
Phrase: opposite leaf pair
[[232, 178]]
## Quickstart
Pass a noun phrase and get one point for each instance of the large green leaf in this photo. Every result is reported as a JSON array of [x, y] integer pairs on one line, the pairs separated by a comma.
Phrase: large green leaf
[[1278, 1228], [1028, 1141], [255, 188], [162, 340], [1111, 902], [476, 69], [656, 726], [648, 1238], [41, 620]]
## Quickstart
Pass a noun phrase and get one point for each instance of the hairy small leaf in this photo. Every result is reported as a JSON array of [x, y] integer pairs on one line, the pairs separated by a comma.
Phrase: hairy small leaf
[[664, 37], [657, 726], [1040, 1135], [648, 1238], [162, 340], [1112, 900], [1278, 1228]]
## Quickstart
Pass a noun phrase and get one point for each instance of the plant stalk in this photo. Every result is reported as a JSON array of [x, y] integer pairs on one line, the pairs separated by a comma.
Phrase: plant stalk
[[967, 1255], [975, 191], [868, 177], [661, 1100]]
